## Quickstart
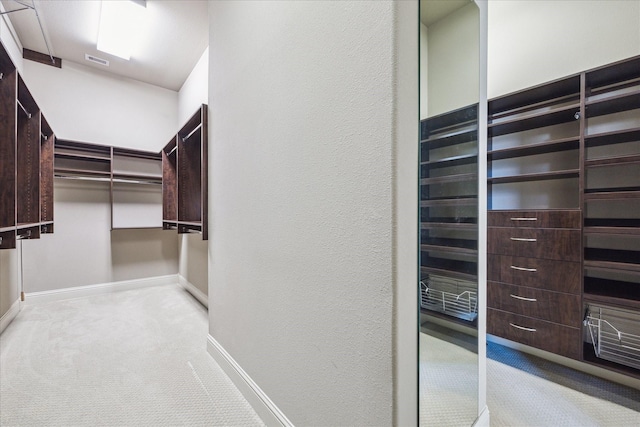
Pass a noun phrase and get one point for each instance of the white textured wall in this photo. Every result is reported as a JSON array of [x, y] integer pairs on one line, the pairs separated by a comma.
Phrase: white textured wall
[[304, 257], [194, 91], [192, 262], [83, 104], [424, 72], [83, 251], [453, 50], [536, 41]]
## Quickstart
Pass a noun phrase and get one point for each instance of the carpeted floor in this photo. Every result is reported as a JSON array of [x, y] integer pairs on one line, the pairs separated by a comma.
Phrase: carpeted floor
[[134, 358], [522, 390]]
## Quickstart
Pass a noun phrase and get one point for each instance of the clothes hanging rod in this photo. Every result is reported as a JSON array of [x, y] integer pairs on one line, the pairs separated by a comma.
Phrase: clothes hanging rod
[[43, 136], [1, 76], [32, 6], [16, 10], [83, 178], [24, 109], [174, 149], [192, 132]]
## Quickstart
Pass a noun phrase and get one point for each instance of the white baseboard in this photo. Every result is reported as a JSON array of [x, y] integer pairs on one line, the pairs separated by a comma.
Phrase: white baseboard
[[190, 287], [270, 414], [9, 315], [483, 419], [99, 289], [570, 363]]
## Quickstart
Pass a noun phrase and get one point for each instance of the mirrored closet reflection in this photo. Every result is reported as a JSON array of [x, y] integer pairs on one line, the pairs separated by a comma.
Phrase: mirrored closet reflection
[[449, 94]]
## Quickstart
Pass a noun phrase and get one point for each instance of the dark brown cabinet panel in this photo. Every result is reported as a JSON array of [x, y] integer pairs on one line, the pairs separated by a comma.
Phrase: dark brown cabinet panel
[[28, 158], [26, 172], [535, 219], [8, 95], [558, 244], [185, 177], [541, 304], [47, 145], [552, 337], [559, 276]]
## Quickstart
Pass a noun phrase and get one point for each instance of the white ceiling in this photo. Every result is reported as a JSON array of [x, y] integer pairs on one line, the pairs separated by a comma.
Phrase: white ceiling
[[431, 11], [176, 37]]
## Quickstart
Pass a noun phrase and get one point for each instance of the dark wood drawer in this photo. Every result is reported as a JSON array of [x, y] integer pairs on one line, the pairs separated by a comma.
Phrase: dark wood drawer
[[535, 219], [559, 339], [559, 276], [546, 305], [550, 243]]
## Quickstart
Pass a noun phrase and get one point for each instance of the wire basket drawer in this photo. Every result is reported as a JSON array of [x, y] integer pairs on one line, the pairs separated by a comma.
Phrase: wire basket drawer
[[457, 298], [614, 333]]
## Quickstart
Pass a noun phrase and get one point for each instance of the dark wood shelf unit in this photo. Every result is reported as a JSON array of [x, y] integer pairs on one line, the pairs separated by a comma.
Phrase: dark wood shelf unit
[[614, 104], [47, 144], [467, 225], [8, 120], [74, 158], [449, 206], [611, 226], [26, 161], [185, 177], [555, 116], [613, 161], [540, 176], [27, 158], [553, 146], [611, 194], [452, 161]]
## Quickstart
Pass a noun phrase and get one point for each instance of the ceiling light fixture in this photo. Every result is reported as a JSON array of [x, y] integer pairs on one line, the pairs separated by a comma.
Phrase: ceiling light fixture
[[121, 23]]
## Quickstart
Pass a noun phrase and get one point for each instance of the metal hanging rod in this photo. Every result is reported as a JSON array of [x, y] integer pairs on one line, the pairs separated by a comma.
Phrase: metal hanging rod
[[174, 149], [192, 132], [24, 109], [43, 135], [32, 6], [83, 178], [1, 76]]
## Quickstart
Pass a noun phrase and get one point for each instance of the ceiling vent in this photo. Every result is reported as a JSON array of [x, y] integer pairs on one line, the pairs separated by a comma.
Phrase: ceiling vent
[[96, 60]]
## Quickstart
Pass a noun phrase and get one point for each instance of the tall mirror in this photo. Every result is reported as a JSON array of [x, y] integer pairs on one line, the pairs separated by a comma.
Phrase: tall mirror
[[449, 95]]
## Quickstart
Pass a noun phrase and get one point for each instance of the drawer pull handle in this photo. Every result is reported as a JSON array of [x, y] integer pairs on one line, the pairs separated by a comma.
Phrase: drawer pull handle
[[523, 219], [523, 298], [532, 270], [522, 239], [523, 328]]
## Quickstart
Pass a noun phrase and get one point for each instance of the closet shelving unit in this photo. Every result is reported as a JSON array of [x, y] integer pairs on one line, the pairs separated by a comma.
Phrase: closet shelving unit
[[611, 203], [534, 237], [8, 117], [448, 213], [564, 216], [26, 193], [136, 189], [131, 174], [184, 177]]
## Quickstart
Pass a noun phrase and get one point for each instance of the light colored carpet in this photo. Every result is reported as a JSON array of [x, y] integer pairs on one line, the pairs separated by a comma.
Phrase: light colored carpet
[[448, 379], [522, 390], [134, 358]]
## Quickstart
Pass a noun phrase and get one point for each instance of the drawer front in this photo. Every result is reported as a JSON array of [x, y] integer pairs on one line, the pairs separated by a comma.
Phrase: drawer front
[[535, 219], [552, 306], [541, 334], [559, 276], [550, 243]]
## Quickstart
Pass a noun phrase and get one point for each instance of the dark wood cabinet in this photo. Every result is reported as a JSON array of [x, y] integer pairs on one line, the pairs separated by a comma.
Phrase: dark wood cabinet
[[534, 277], [564, 220], [8, 119], [26, 172], [534, 332], [185, 177]]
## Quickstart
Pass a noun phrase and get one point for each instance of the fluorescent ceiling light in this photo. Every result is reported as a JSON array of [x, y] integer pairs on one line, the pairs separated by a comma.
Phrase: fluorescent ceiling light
[[121, 23]]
